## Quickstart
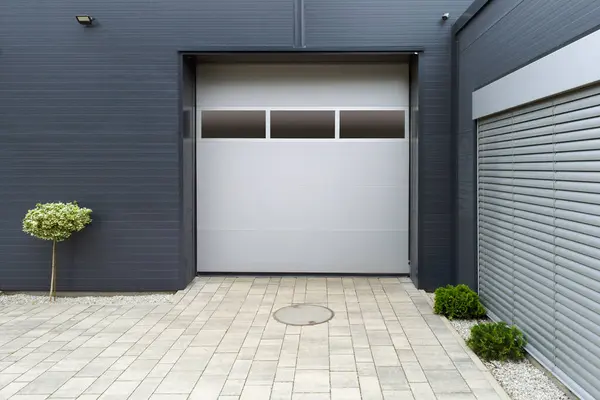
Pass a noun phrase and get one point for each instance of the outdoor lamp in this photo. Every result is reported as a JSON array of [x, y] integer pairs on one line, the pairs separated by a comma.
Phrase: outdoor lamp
[[85, 20]]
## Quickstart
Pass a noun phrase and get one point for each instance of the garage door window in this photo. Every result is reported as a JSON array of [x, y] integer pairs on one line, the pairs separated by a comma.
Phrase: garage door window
[[233, 124], [372, 124], [302, 124]]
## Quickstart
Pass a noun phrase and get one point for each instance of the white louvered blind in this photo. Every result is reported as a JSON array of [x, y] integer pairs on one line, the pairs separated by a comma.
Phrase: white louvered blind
[[539, 230]]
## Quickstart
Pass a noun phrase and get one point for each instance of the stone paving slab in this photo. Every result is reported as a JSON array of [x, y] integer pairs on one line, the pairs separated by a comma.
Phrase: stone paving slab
[[218, 341]]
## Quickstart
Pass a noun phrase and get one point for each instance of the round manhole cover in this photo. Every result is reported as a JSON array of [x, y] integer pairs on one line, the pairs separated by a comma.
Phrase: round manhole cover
[[303, 314]]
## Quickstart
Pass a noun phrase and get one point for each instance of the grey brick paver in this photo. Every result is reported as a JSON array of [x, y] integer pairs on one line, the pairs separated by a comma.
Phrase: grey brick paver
[[218, 341]]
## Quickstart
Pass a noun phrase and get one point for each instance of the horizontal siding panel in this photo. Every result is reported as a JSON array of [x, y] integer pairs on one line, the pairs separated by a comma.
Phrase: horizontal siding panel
[[539, 232], [540, 332], [533, 208], [538, 199], [582, 197], [566, 247], [502, 37], [491, 213], [539, 188], [498, 226], [541, 307], [581, 98], [566, 361], [539, 272], [587, 318], [499, 259], [581, 349], [533, 220], [582, 294], [535, 339], [496, 239], [576, 115], [579, 176], [589, 130], [497, 302]]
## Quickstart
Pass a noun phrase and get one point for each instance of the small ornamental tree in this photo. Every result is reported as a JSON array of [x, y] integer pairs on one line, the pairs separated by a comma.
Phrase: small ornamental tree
[[55, 222]]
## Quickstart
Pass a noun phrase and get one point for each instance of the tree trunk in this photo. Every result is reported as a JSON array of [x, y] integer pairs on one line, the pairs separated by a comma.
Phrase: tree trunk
[[53, 279]]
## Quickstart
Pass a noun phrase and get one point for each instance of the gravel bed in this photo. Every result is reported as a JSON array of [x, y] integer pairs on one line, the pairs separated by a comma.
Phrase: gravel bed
[[522, 380], [22, 299]]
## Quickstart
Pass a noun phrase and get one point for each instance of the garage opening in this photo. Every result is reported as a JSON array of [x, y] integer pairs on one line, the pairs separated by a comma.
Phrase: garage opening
[[302, 167]]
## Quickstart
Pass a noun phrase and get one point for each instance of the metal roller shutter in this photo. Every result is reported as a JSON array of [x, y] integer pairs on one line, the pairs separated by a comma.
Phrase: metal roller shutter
[[539, 230]]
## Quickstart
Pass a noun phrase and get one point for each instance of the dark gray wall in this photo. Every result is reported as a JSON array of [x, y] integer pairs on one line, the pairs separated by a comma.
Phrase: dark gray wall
[[414, 122], [188, 168], [94, 114], [503, 35]]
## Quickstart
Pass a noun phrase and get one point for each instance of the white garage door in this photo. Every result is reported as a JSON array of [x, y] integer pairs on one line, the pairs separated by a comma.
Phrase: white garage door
[[302, 168]]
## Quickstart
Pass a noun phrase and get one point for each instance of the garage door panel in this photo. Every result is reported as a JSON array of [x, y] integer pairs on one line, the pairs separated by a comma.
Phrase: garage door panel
[[367, 209], [342, 162], [278, 251], [244, 193], [303, 85]]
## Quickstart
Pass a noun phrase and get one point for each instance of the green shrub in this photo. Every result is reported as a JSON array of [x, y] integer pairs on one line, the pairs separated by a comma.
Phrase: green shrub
[[55, 222], [458, 302], [497, 341]]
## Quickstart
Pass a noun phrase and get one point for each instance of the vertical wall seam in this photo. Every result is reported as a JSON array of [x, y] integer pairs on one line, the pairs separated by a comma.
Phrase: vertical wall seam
[[299, 41], [302, 25], [512, 182], [554, 333]]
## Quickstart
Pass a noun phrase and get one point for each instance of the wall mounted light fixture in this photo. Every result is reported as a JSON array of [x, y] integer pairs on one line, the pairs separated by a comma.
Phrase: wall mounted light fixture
[[85, 20]]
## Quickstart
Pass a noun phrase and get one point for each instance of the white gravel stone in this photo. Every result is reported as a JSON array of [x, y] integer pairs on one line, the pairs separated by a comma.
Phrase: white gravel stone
[[463, 326], [522, 380], [36, 299]]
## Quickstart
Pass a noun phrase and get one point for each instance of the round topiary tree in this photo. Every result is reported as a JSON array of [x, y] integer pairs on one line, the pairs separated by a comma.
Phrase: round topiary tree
[[55, 222]]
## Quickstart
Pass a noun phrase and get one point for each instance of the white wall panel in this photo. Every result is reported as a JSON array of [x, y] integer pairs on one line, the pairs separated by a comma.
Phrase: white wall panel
[[572, 66]]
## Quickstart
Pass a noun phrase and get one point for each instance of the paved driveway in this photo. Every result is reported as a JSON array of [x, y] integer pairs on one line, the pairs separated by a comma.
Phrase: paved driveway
[[219, 341]]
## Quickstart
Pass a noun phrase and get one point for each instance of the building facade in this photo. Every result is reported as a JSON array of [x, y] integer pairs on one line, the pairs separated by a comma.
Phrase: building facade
[[527, 120], [107, 115], [451, 141]]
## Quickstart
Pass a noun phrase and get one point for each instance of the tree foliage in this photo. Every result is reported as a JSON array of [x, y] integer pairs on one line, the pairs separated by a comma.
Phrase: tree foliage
[[56, 221]]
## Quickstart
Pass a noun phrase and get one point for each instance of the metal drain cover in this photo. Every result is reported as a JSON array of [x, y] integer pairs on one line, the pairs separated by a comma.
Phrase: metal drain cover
[[303, 314]]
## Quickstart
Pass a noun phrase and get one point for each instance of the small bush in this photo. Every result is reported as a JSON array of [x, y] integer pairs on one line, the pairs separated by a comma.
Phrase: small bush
[[497, 341], [458, 302]]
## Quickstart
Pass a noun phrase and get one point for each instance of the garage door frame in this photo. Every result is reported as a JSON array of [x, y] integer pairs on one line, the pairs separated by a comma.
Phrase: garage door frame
[[187, 61]]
